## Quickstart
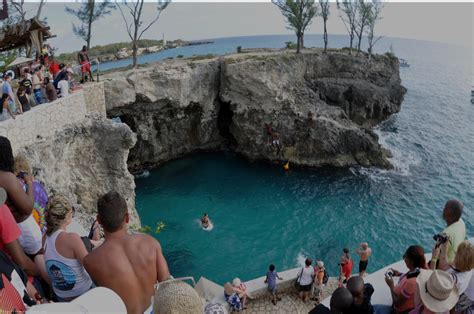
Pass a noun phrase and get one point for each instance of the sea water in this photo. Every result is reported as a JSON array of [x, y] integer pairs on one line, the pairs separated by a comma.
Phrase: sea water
[[262, 214]]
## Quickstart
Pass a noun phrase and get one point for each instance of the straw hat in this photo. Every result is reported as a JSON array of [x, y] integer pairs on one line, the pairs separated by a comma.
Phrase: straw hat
[[236, 282], [176, 297], [320, 264], [437, 290]]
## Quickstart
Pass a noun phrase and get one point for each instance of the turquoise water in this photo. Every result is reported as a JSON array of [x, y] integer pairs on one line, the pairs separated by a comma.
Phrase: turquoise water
[[263, 215]]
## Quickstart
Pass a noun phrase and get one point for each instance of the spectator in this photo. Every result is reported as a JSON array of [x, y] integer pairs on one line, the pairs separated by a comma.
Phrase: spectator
[[319, 271], [64, 252], [270, 280], [9, 234], [128, 264], [341, 301], [83, 59], [346, 265], [16, 292], [28, 85], [461, 271], [361, 293], [7, 112], [364, 251], [23, 99], [305, 280], [241, 290], [61, 75], [37, 84], [456, 229], [63, 85], [232, 298], [435, 292], [403, 294], [51, 93], [53, 66], [7, 89]]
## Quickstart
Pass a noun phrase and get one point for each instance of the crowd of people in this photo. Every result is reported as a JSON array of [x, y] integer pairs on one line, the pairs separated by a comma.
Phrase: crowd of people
[[445, 284], [44, 259], [42, 81]]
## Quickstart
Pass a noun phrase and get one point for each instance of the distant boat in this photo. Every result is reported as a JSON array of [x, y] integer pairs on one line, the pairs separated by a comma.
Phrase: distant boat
[[404, 63], [472, 96]]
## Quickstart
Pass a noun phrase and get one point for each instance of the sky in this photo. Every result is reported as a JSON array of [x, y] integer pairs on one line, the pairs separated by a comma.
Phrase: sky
[[442, 22]]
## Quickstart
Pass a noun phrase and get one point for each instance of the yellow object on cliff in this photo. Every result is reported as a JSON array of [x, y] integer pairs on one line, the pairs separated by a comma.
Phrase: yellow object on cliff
[[287, 166]]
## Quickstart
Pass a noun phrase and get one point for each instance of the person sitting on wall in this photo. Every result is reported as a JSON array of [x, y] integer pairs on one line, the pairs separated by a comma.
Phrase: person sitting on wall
[[6, 112], [232, 298], [241, 289], [23, 99], [130, 265], [51, 93], [361, 293]]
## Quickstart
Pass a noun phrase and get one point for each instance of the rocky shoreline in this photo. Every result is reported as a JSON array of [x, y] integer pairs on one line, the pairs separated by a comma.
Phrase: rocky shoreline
[[321, 106]]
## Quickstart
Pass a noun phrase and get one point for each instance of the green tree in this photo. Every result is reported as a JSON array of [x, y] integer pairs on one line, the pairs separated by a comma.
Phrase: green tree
[[134, 27], [324, 4], [348, 11], [299, 15], [88, 13], [374, 15]]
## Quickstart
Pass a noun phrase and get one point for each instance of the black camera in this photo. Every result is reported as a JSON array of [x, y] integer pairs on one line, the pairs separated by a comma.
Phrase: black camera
[[440, 238], [389, 273]]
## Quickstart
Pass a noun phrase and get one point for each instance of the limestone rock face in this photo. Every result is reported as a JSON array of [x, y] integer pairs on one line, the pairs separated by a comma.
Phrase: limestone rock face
[[84, 161], [186, 105]]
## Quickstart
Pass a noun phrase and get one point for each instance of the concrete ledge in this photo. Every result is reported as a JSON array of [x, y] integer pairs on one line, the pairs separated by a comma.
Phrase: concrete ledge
[[258, 288]]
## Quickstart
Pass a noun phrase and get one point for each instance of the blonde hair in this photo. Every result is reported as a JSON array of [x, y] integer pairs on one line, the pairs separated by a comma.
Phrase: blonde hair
[[464, 259], [21, 164], [56, 211]]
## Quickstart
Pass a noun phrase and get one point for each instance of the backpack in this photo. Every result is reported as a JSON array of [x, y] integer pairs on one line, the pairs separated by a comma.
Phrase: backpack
[[325, 277]]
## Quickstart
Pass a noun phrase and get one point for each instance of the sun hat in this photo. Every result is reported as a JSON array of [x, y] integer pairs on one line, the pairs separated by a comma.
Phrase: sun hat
[[228, 289], [97, 300], [320, 263], [69, 70], [175, 297], [236, 282], [3, 196], [437, 290]]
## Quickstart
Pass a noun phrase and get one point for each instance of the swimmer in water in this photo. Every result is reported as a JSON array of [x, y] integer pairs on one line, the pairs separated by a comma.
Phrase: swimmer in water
[[205, 221]]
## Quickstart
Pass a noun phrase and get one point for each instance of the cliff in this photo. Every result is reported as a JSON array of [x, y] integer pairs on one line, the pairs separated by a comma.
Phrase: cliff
[[85, 160], [180, 106]]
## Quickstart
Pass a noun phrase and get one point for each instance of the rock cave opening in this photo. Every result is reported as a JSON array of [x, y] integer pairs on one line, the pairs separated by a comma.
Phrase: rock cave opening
[[224, 122]]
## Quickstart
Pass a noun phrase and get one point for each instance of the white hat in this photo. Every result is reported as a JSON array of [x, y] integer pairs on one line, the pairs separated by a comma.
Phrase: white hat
[[236, 282], [97, 300], [70, 70], [3, 196], [437, 290], [320, 263]]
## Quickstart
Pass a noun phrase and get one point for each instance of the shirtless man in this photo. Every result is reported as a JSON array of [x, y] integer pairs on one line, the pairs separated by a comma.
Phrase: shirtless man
[[128, 264], [364, 252]]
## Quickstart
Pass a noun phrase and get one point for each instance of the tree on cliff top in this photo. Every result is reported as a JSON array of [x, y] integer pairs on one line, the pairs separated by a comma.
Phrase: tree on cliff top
[[375, 9], [299, 15], [362, 20], [325, 15], [348, 13], [134, 27], [88, 13]]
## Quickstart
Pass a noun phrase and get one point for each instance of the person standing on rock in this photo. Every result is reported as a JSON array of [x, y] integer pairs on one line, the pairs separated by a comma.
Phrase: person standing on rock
[[130, 265], [364, 251], [83, 58]]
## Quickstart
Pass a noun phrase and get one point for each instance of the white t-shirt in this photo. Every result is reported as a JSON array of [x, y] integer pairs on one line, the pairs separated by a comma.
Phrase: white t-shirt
[[307, 276], [465, 282], [63, 86]]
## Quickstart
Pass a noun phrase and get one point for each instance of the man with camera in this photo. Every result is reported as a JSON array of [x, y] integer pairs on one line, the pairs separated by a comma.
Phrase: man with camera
[[455, 232]]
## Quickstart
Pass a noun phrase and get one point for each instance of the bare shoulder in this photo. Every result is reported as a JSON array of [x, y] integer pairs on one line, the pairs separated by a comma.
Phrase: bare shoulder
[[145, 239]]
